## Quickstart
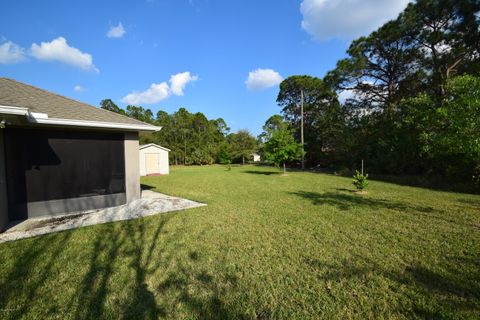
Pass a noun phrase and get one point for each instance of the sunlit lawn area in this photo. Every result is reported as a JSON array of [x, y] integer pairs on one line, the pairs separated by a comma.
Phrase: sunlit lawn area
[[266, 246]]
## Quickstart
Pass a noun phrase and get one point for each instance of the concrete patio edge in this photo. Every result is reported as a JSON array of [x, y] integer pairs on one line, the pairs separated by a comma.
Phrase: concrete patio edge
[[151, 203]]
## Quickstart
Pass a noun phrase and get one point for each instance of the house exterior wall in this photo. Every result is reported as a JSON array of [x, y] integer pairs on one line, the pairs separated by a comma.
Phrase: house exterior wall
[[64, 206], [132, 189], [53, 172], [54, 208], [163, 164], [3, 186], [132, 168]]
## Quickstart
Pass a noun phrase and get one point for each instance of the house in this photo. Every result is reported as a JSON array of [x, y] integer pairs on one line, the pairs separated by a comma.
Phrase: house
[[153, 160], [58, 155], [256, 157]]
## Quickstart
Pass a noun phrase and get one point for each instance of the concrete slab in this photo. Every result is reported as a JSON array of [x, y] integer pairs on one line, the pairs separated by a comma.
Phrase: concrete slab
[[151, 203]]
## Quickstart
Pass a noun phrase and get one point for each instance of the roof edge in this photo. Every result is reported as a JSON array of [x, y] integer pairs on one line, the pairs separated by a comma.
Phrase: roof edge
[[43, 119], [18, 111], [94, 124], [154, 145]]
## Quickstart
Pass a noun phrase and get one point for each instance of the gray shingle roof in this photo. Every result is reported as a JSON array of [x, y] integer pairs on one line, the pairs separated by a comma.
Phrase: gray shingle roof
[[17, 94]]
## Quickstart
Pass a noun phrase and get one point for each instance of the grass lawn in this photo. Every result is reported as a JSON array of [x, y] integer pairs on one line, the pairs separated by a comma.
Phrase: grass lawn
[[266, 246]]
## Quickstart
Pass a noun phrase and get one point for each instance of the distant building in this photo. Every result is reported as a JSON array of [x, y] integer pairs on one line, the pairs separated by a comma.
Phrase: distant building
[[153, 160], [256, 157]]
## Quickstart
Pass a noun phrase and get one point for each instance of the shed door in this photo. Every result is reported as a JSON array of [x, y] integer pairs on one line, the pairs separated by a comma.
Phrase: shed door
[[152, 163]]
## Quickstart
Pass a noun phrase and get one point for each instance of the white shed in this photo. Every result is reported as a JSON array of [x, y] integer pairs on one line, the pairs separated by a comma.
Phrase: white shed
[[153, 160]]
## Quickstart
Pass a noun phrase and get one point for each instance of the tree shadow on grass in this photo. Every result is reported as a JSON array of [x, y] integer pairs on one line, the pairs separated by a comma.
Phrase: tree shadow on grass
[[34, 263], [449, 282], [142, 303], [121, 274], [435, 293], [211, 306], [346, 202], [128, 242], [264, 173], [146, 248], [436, 183], [92, 293], [470, 203]]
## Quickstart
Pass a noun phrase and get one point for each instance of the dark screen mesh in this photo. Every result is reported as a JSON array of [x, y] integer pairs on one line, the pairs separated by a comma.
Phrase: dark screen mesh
[[47, 165]]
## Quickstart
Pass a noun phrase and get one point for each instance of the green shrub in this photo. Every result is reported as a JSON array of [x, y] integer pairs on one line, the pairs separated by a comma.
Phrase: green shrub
[[360, 181], [224, 155], [199, 157]]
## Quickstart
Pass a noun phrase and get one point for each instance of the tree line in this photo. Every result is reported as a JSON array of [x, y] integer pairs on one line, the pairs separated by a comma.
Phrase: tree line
[[410, 97], [192, 138], [406, 100]]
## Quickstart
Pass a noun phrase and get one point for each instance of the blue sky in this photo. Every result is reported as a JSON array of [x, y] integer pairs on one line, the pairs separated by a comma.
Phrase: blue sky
[[164, 54]]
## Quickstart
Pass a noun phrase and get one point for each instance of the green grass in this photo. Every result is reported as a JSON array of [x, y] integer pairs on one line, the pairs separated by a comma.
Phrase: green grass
[[266, 246]]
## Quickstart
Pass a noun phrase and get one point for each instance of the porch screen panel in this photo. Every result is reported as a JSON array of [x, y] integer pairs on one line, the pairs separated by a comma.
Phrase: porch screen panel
[[48, 165]]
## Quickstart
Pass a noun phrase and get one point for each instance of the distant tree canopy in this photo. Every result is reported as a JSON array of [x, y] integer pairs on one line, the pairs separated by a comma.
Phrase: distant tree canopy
[[409, 96], [109, 105], [140, 113], [321, 113], [191, 137], [279, 144], [405, 99], [242, 145]]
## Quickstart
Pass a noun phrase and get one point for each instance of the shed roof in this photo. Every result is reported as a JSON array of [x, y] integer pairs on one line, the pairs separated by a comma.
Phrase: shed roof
[[153, 145], [53, 106]]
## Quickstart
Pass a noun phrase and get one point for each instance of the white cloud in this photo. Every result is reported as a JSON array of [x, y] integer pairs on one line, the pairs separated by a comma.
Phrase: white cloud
[[347, 19], [179, 81], [160, 91], [262, 78], [11, 53], [78, 88], [116, 31], [59, 50], [154, 94]]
